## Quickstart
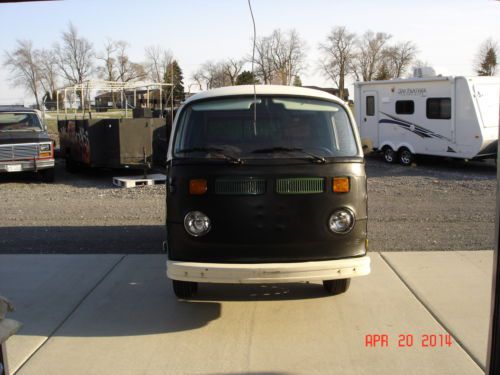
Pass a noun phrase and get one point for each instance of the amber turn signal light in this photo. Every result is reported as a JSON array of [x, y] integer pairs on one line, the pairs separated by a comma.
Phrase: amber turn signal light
[[341, 185], [197, 187]]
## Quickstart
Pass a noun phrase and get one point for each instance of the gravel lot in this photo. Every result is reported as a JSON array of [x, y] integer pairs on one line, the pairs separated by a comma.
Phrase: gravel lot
[[437, 205]]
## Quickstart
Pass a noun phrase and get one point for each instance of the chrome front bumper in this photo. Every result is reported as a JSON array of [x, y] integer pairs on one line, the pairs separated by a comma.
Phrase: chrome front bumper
[[237, 273], [26, 165]]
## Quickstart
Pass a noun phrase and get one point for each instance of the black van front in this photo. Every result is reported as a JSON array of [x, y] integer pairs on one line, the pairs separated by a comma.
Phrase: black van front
[[265, 188]]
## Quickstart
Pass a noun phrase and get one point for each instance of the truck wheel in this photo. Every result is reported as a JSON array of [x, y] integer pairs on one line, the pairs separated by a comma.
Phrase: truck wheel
[[184, 289], [338, 286], [389, 155], [47, 175], [405, 156]]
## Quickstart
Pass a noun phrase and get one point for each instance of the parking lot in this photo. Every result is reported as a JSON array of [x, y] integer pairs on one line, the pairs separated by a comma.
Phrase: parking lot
[[436, 205]]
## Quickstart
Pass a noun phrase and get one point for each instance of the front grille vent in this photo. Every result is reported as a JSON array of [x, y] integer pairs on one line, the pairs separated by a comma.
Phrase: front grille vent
[[300, 185], [240, 186], [20, 151]]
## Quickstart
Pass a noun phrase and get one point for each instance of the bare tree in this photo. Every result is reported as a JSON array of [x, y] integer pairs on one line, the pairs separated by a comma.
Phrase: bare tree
[[398, 58], [157, 62], [338, 54], [47, 65], [22, 63], [279, 57], [198, 78], [74, 56], [264, 67], [486, 59], [369, 56], [288, 55], [212, 75], [232, 68], [107, 71], [126, 69]]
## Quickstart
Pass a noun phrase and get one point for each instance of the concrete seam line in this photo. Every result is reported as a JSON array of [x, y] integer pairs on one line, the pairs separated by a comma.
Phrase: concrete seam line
[[79, 303], [436, 318]]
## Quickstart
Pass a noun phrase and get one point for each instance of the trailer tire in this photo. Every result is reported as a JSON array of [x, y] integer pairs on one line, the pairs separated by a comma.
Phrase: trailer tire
[[389, 154], [405, 157], [334, 287], [184, 289]]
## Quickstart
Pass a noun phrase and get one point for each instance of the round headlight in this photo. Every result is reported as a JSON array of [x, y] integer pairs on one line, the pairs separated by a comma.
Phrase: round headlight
[[197, 223], [341, 221]]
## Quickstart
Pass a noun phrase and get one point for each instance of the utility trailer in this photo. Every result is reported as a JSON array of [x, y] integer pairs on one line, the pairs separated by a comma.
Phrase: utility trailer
[[109, 143], [453, 117], [123, 134]]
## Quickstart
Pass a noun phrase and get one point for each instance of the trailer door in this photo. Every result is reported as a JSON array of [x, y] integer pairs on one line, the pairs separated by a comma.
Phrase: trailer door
[[488, 98], [369, 117]]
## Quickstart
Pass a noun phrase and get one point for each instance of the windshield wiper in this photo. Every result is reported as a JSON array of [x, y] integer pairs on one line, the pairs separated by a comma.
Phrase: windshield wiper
[[315, 158], [231, 158]]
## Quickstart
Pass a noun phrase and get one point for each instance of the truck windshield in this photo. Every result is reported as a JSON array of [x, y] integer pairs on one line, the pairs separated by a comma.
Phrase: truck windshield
[[286, 127], [19, 121]]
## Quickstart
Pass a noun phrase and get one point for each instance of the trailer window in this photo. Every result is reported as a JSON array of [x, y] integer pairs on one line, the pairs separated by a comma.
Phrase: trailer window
[[405, 107], [370, 106], [439, 108]]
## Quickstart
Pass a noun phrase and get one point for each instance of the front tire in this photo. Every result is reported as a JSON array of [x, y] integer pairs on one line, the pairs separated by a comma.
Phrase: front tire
[[405, 157], [184, 289], [338, 286]]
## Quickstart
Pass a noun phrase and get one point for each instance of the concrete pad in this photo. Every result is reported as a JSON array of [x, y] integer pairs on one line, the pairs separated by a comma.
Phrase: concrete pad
[[132, 323], [44, 290], [456, 286]]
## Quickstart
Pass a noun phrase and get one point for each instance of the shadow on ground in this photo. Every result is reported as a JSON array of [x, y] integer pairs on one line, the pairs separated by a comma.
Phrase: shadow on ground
[[427, 166], [123, 239]]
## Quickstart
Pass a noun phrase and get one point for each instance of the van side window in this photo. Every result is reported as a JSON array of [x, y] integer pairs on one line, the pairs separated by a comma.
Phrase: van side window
[[370, 106], [405, 107], [439, 108]]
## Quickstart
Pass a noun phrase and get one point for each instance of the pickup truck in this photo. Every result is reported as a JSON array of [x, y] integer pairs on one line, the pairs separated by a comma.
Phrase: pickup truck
[[25, 144]]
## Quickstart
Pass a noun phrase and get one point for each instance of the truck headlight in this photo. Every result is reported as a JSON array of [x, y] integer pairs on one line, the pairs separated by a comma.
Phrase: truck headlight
[[44, 147], [197, 224], [341, 221]]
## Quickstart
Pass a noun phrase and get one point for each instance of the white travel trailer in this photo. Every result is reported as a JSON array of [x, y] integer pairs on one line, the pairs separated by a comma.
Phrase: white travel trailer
[[443, 116]]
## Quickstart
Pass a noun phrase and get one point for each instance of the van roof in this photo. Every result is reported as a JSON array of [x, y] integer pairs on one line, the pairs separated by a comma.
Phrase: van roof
[[263, 90]]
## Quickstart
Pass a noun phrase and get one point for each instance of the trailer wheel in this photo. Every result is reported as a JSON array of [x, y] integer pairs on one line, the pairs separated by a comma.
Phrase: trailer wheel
[[338, 286], [389, 155], [405, 156], [184, 289]]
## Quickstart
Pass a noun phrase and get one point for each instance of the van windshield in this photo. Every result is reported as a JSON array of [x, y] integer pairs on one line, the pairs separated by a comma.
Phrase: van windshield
[[286, 127]]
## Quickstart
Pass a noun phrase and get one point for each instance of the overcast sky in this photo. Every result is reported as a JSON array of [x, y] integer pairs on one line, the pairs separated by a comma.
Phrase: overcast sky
[[446, 32]]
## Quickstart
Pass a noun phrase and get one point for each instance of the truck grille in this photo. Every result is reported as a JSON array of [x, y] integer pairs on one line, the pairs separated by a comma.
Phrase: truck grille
[[300, 185], [20, 151], [240, 186]]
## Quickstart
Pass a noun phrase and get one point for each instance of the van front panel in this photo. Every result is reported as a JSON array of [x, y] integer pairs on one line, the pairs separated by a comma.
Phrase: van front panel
[[256, 220]]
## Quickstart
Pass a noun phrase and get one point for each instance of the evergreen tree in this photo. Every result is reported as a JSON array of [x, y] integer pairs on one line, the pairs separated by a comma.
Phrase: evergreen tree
[[382, 73], [488, 64], [486, 59], [297, 81], [177, 80], [246, 78]]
